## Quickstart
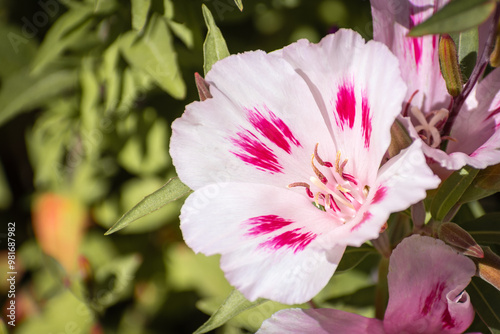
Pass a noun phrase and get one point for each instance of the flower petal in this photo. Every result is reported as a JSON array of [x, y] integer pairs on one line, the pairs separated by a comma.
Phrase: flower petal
[[426, 281], [359, 89], [401, 182], [418, 56], [260, 126], [319, 321], [270, 239], [477, 128]]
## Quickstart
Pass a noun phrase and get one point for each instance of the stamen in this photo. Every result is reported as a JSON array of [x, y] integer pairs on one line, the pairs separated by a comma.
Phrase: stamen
[[302, 184], [350, 178], [320, 161], [318, 173], [333, 204], [320, 185], [337, 162], [405, 113], [431, 133]]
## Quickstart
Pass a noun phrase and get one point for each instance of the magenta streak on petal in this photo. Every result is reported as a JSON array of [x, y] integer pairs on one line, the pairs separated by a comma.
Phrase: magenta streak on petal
[[416, 41], [283, 128], [447, 320], [366, 215], [366, 121], [433, 298], [493, 113], [257, 153], [290, 239], [379, 195], [266, 224], [275, 129], [346, 104]]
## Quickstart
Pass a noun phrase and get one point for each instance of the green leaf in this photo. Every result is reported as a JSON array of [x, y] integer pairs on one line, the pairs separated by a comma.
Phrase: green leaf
[[121, 272], [486, 183], [145, 150], [468, 44], [182, 32], [112, 75], [232, 306], [450, 191], [486, 301], [353, 256], [154, 53], [22, 91], [71, 27], [239, 3], [16, 52], [484, 229], [458, 15], [140, 9], [214, 47], [171, 191]]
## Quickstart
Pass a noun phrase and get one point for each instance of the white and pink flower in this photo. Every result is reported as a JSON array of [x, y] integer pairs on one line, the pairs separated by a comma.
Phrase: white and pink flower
[[474, 138], [426, 282], [285, 160]]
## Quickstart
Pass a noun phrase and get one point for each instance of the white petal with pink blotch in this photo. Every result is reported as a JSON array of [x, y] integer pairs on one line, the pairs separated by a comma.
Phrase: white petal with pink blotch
[[285, 154]]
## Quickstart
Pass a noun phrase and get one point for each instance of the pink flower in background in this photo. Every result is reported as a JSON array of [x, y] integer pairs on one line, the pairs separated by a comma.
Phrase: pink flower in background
[[285, 162], [426, 282], [475, 139]]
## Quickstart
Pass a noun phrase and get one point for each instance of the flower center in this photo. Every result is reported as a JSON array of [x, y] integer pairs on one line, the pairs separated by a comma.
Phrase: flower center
[[431, 125], [339, 194]]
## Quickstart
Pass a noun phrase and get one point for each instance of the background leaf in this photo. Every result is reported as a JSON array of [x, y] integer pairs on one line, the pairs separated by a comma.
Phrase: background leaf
[[485, 228], [457, 15], [154, 53], [22, 91], [215, 47], [172, 190], [450, 191], [486, 301], [232, 306]]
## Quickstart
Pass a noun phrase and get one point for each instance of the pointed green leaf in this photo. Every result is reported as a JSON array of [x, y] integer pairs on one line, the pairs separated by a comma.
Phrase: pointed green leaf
[[215, 47], [458, 15], [486, 183], [154, 53], [16, 52], [232, 306], [451, 190], [239, 3], [171, 191], [353, 256], [182, 32], [468, 44], [23, 91], [71, 27], [486, 301], [140, 9], [484, 229]]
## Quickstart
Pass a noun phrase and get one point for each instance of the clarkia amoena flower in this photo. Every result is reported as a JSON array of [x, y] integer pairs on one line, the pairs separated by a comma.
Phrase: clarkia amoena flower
[[426, 282], [474, 138], [285, 162]]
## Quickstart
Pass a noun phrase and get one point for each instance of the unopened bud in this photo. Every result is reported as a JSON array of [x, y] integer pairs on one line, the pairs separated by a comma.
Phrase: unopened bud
[[203, 87], [399, 139], [460, 240], [450, 68], [489, 268]]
